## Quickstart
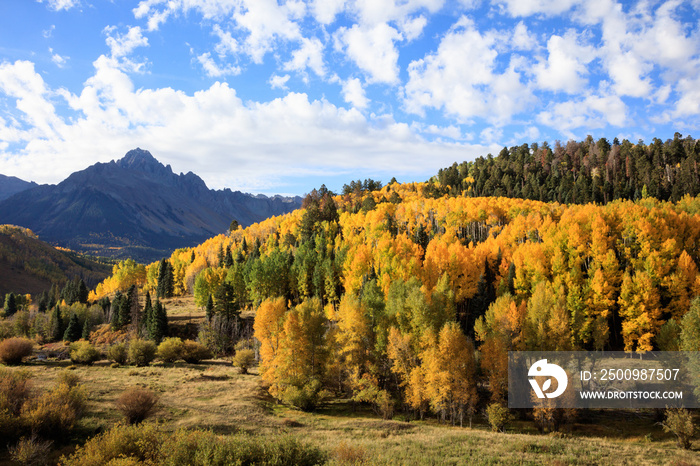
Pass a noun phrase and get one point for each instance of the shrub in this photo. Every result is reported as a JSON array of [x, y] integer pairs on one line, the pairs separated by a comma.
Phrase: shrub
[[499, 417], [54, 412], [170, 349], [137, 404], [13, 350], [68, 378], [15, 390], [141, 352], [194, 353], [144, 443], [306, 398], [118, 353], [31, 451], [679, 421], [244, 359], [82, 352]]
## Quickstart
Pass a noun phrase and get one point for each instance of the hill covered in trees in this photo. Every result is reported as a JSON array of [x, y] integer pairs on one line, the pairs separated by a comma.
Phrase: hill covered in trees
[[371, 293], [134, 207], [581, 172], [29, 265]]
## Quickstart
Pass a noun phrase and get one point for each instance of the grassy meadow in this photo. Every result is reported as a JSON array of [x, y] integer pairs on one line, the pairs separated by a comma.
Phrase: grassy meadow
[[215, 396]]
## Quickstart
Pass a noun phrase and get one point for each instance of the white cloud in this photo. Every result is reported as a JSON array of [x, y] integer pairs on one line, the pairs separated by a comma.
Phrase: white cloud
[[237, 144], [278, 82], [309, 55], [58, 5], [373, 51], [47, 33], [537, 7], [266, 21], [565, 66], [589, 112], [325, 11], [522, 38], [57, 59], [227, 44], [463, 81], [122, 45], [354, 93], [215, 71]]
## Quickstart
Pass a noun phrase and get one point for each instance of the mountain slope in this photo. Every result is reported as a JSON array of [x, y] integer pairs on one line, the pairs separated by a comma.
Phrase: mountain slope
[[134, 207], [10, 185], [28, 265]]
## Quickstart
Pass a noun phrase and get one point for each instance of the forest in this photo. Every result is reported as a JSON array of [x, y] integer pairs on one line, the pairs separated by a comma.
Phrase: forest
[[405, 298]]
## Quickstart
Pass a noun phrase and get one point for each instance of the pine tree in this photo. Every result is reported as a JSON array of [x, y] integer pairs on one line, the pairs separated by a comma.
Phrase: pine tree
[[83, 292], [210, 308], [57, 329], [159, 323], [73, 331], [10, 304], [147, 315], [87, 328], [228, 258], [165, 280]]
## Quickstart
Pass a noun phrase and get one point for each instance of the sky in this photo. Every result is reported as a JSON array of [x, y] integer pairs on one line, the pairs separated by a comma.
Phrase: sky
[[274, 96]]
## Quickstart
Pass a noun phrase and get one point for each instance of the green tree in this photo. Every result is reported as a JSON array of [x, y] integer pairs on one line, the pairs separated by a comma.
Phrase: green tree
[[57, 328], [74, 330], [10, 304], [159, 323]]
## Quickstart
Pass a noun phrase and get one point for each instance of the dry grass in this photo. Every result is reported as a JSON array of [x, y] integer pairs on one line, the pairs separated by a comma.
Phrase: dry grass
[[215, 396]]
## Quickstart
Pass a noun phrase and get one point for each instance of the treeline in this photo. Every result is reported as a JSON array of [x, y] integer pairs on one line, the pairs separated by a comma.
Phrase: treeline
[[580, 172], [368, 294]]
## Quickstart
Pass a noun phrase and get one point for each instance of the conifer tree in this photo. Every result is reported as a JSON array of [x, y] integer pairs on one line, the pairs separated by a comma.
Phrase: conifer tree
[[159, 322], [73, 331], [147, 315], [210, 308], [57, 329], [87, 328], [10, 304]]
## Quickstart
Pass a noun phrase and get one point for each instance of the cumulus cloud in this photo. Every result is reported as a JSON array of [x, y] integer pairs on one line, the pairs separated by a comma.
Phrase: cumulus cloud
[[354, 93], [373, 50], [309, 55], [213, 70], [463, 81], [230, 142], [565, 66], [278, 82], [590, 112], [536, 7]]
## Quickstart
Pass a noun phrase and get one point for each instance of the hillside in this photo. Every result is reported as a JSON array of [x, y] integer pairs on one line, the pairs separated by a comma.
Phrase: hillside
[[396, 274], [134, 207], [10, 185], [29, 265], [579, 172]]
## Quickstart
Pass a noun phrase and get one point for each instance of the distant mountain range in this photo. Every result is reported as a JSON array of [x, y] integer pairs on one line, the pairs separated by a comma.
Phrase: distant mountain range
[[134, 207], [10, 185]]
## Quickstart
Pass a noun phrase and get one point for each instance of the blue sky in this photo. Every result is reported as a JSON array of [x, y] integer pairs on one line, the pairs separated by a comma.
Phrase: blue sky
[[270, 96]]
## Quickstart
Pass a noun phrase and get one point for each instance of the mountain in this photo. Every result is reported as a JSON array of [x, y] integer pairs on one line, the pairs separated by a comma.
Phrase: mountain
[[135, 207], [10, 185], [29, 265]]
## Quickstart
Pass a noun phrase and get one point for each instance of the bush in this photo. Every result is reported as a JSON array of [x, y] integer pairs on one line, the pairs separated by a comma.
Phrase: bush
[[54, 413], [82, 352], [141, 352], [13, 350], [144, 443], [244, 359], [68, 378], [306, 398], [118, 353], [137, 404], [499, 417], [170, 349], [194, 353], [679, 421], [31, 451], [15, 390]]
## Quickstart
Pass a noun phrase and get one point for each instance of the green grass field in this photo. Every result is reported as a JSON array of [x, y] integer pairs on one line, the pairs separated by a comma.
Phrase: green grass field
[[215, 396]]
